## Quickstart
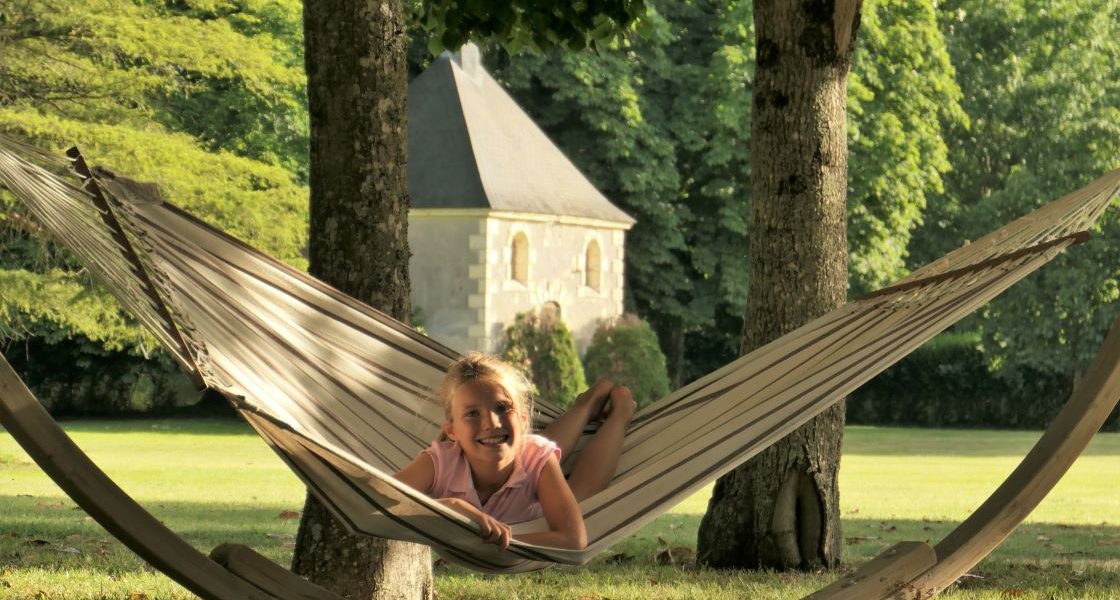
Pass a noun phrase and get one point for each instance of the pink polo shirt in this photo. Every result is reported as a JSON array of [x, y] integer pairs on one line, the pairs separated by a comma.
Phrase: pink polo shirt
[[516, 501]]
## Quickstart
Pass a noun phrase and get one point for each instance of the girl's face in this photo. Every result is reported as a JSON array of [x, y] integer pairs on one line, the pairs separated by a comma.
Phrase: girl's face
[[485, 422]]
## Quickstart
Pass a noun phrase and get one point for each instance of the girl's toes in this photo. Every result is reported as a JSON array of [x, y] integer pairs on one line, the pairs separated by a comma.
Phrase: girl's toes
[[621, 403], [596, 397]]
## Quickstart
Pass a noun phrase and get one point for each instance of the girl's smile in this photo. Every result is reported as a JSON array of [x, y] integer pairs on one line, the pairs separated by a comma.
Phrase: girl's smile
[[495, 440]]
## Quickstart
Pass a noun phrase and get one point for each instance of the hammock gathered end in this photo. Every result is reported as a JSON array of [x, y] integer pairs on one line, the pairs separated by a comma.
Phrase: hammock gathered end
[[343, 393]]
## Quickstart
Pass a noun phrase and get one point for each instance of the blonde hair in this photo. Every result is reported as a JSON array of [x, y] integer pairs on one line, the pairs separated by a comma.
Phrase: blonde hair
[[476, 368]]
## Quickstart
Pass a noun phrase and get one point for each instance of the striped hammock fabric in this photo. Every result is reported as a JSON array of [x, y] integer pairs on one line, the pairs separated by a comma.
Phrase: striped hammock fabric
[[344, 393]]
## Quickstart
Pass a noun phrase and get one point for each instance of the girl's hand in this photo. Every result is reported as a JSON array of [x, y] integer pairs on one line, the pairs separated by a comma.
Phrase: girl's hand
[[493, 530]]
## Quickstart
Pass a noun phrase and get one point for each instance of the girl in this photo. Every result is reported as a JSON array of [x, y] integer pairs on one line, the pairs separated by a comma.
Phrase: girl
[[494, 470]]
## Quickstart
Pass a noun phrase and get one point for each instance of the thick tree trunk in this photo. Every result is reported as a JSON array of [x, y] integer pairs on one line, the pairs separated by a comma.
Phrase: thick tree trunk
[[357, 94], [781, 509]]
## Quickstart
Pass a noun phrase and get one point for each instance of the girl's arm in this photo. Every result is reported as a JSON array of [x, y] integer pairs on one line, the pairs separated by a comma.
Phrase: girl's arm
[[419, 474], [565, 521]]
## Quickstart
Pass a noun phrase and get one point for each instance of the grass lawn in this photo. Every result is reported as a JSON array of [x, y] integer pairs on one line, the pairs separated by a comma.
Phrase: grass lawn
[[214, 481]]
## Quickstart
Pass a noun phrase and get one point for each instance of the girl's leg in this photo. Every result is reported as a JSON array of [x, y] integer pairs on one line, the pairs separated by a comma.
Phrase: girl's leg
[[567, 428], [598, 460]]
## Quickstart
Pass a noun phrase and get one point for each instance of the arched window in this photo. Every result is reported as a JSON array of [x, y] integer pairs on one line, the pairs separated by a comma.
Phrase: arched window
[[519, 258], [593, 274]]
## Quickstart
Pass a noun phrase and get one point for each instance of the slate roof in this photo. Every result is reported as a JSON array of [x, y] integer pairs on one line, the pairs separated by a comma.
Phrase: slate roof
[[471, 146]]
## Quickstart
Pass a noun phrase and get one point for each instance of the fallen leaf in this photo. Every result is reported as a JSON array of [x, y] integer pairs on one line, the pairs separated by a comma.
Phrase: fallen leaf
[[288, 515], [853, 511], [661, 543], [674, 525], [857, 540], [619, 558], [280, 536], [652, 581], [1043, 538], [68, 550], [886, 526], [36, 542], [674, 556], [137, 596]]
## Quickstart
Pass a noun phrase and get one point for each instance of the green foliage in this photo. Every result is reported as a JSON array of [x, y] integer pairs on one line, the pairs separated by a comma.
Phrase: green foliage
[[77, 376], [627, 352], [259, 203], [60, 304], [1040, 84], [528, 24], [706, 80], [902, 95], [948, 384], [229, 73], [546, 354], [205, 97]]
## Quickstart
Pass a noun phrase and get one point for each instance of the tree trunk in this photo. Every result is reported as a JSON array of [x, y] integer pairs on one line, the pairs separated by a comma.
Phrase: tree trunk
[[357, 94], [670, 334], [781, 509]]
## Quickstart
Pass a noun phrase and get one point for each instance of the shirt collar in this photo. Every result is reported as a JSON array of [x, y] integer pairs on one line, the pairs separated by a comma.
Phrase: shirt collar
[[462, 482]]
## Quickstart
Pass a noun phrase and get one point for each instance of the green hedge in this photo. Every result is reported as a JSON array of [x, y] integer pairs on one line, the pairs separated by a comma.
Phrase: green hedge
[[77, 377], [627, 352], [947, 384]]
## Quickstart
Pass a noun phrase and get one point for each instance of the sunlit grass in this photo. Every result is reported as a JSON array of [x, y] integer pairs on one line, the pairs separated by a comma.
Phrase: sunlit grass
[[214, 481]]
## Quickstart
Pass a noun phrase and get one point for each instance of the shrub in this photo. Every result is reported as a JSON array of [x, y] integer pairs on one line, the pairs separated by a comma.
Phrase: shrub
[[77, 377], [947, 383], [546, 353], [626, 351]]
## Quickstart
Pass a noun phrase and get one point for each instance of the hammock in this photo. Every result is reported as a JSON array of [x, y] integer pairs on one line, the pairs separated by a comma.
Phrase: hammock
[[343, 393]]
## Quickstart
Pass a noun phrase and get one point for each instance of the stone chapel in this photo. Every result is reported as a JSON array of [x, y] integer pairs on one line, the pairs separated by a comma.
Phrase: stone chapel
[[501, 221]]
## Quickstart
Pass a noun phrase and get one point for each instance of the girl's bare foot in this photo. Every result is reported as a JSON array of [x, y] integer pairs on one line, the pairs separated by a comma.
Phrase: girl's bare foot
[[621, 406], [595, 398]]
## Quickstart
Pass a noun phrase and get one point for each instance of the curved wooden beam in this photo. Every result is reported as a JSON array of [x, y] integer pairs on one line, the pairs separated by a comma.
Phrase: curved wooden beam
[[1071, 431], [30, 424], [1069, 434]]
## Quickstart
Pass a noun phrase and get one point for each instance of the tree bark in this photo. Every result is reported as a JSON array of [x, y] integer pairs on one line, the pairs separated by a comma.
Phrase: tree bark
[[781, 508], [357, 94], [670, 335]]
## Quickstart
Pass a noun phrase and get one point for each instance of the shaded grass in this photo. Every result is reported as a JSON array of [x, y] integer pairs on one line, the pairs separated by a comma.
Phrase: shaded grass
[[214, 481]]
